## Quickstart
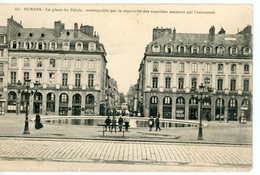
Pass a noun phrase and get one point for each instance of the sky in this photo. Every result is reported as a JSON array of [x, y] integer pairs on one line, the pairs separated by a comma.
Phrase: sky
[[126, 33]]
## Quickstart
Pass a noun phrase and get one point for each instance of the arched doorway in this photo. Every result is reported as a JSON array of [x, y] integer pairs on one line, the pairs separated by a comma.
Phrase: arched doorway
[[153, 106], [63, 104], [232, 110], [50, 103], [245, 109], [220, 109], [180, 108], [89, 104], [37, 104], [167, 107], [11, 103], [193, 110], [76, 105]]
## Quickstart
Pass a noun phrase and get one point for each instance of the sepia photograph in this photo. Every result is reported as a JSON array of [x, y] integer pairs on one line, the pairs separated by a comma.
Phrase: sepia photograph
[[126, 87]]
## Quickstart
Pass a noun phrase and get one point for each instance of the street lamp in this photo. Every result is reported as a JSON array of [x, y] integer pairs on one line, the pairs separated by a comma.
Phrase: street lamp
[[27, 92], [201, 94]]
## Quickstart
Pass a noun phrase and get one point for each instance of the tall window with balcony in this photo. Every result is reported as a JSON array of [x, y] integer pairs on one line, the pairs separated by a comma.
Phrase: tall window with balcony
[[26, 62], [167, 82], [1, 53], [155, 82], [26, 75], [233, 69], [91, 65], [64, 79], [194, 83], [155, 66], [207, 68], [168, 67], [77, 80], [220, 68], [246, 85], [39, 76], [39, 62], [65, 63], [194, 67], [181, 67], [13, 62], [52, 63], [13, 78], [52, 77], [78, 64], [233, 85], [207, 82], [91, 80], [1, 69], [220, 84], [181, 83], [246, 69]]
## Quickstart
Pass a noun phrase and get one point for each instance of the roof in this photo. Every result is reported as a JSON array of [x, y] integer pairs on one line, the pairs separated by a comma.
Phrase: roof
[[3, 29]]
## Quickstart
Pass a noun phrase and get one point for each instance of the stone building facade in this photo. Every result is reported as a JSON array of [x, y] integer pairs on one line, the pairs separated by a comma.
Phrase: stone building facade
[[176, 62], [69, 64]]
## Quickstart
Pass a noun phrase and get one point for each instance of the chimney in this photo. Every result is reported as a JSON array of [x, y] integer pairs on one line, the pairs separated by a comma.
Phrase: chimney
[[57, 28], [75, 29], [173, 34], [222, 31], [212, 33]]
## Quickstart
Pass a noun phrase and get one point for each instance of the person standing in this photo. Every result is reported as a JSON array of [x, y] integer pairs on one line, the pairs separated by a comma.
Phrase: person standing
[[37, 121], [127, 121], [108, 123], [157, 123], [151, 123], [120, 123], [113, 124]]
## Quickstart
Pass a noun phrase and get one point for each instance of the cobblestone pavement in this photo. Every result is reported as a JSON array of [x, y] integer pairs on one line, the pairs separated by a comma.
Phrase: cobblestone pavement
[[126, 152]]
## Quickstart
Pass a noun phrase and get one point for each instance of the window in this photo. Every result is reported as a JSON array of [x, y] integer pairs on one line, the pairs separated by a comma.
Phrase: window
[[2, 39], [207, 67], [14, 45], [79, 46], [92, 46], [180, 83], [193, 101], [246, 86], [194, 83], [64, 98], [180, 101], [26, 75], [195, 50], [155, 66], [168, 82], [194, 67], [246, 69], [246, 51], [52, 63], [181, 67], [207, 50], [233, 69], [27, 45], [154, 100], [156, 48], [53, 46], [38, 75], [168, 67], [91, 80], [155, 82], [232, 103], [91, 64], [220, 84], [168, 49], [51, 77], [39, 62], [1, 82], [78, 64], [1, 67], [207, 81], [220, 68], [13, 78], [233, 51], [181, 49], [64, 79], [13, 62], [65, 63], [40, 46], [66, 46], [167, 100], [220, 50], [77, 80], [232, 85], [26, 62]]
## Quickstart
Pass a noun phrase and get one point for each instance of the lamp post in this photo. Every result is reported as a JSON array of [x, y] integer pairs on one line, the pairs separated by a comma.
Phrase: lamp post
[[201, 94], [27, 92]]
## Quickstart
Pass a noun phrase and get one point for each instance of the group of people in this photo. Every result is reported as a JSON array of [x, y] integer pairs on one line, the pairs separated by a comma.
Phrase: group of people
[[151, 123], [111, 124]]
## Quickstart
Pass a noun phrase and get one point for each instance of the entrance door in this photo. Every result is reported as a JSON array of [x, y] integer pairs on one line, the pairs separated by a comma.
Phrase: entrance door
[[76, 110], [153, 110], [193, 114]]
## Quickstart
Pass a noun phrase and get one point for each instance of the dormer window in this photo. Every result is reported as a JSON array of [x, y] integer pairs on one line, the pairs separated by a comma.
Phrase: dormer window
[[168, 49], [14, 45], [207, 50], [246, 51], [40, 45], [194, 49], [92, 46], [27, 45], [30, 34], [66, 46], [2, 39], [220, 50], [233, 51], [79, 46], [156, 48], [182, 49], [19, 34], [53, 46]]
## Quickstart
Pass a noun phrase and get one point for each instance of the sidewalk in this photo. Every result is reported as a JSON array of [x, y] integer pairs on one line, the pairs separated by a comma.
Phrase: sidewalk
[[214, 133]]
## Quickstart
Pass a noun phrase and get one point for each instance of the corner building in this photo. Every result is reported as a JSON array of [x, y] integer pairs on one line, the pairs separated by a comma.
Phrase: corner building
[[70, 64], [175, 62]]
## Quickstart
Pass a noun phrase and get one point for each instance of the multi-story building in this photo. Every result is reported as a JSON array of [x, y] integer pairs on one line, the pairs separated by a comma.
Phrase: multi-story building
[[3, 68], [70, 65], [176, 62]]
